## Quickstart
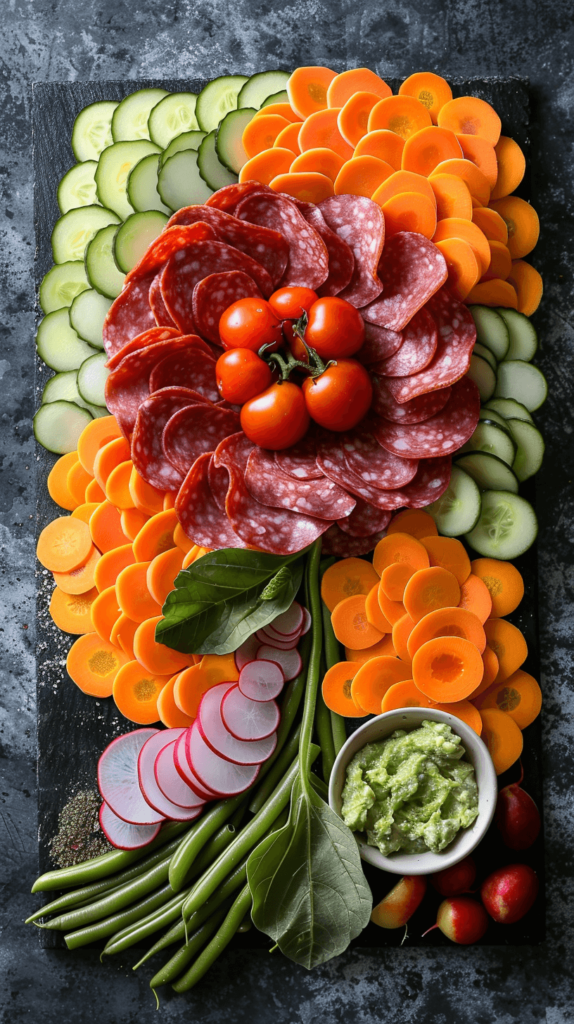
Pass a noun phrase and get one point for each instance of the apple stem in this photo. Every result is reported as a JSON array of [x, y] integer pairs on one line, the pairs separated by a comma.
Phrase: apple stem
[[431, 929]]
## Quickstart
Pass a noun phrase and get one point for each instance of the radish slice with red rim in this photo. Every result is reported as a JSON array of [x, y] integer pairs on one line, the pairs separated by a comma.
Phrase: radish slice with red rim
[[289, 622], [118, 778], [224, 777], [246, 652], [290, 661], [285, 638], [149, 786], [306, 621], [122, 834], [248, 719], [170, 781], [261, 680], [282, 645], [218, 737], [183, 767]]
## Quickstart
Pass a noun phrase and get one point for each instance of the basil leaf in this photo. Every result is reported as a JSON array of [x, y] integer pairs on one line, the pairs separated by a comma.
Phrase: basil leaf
[[218, 600]]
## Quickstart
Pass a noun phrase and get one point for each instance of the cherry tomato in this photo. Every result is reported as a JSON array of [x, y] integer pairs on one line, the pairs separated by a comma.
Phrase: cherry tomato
[[276, 419], [290, 303], [335, 329], [249, 323], [339, 397], [241, 374]]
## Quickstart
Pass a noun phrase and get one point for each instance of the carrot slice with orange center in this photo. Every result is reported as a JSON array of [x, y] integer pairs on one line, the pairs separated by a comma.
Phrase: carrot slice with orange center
[[106, 528], [181, 540], [93, 664], [136, 691], [322, 130], [452, 196], [122, 635], [410, 211], [522, 222], [134, 597], [404, 695], [519, 696], [82, 579], [500, 265], [504, 582], [413, 521], [361, 176], [85, 511], [351, 625], [457, 227], [449, 553], [392, 610], [336, 689], [132, 520], [111, 564], [528, 286], [429, 89], [383, 144], [395, 578], [491, 224], [402, 548], [93, 437], [192, 683], [509, 645], [344, 86], [462, 266], [374, 679], [374, 613], [447, 622], [447, 668], [311, 187], [475, 597], [108, 457], [353, 117], [321, 161], [118, 485], [71, 612], [490, 663], [156, 657], [77, 481], [428, 147], [511, 167], [307, 89], [502, 737], [105, 611], [155, 536], [383, 646], [260, 133], [346, 578], [289, 138], [168, 711], [64, 544], [145, 497], [161, 573], [402, 182], [428, 589], [481, 153], [493, 293], [403, 115], [468, 115], [57, 482], [283, 109], [401, 631], [94, 492]]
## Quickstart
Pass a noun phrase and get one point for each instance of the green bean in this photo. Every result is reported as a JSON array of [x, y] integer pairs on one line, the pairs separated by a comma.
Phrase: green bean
[[110, 925], [279, 768], [324, 736], [332, 656], [313, 671], [197, 837], [185, 953], [221, 939]]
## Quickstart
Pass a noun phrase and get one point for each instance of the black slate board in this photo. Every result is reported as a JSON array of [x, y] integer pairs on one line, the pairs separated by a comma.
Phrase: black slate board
[[73, 728]]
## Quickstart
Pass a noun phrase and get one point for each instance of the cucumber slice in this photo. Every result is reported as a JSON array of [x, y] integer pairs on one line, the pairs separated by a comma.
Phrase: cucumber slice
[[523, 336], [61, 284], [210, 167], [142, 186], [277, 97], [170, 117], [58, 425], [187, 140], [229, 138], [457, 510], [492, 416], [260, 86], [179, 182], [63, 387], [92, 377], [130, 118], [134, 235], [114, 166], [489, 472], [510, 409], [59, 345], [92, 130], [101, 268], [87, 314], [78, 187], [529, 448], [522, 382], [75, 230], [482, 350], [483, 376], [507, 526], [216, 99], [491, 330], [489, 437]]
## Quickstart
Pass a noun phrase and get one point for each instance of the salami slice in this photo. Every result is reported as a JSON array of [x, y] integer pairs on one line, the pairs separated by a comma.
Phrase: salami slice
[[271, 486], [267, 247], [130, 314], [333, 464], [341, 259], [365, 520], [414, 411], [367, 460], [308, 262], [300, 460], [150, 337], [432, 480], [171, 240], [361, 224], [219, 483], [412, 269], [229, 197], [442, 434], [417, 350], [213, 295], [200, 518], [147, 451], [188, 368], [278, 531], [336, 542], [158, 306], [428, 480], [378, 344], [194, 430]]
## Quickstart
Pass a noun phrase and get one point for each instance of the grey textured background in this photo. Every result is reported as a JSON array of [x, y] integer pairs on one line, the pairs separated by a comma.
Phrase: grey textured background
[[61, 40]]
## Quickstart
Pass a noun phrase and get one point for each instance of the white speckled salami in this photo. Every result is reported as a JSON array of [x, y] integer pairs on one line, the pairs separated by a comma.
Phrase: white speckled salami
[[219, 483], [341, 259], [371, 464], [229, 197], [300, 460], [361, 224], [442, 434], [158, 306], [194, 430], [378, 344], [414, 411], [201, 519], [170, 241], [412, 269], [129, 315], [432, 480], [271, 486], [147, 451], [308, 263], [417, 350], [188, 368], [150, 337], [336, 542], [213, 295], [333, 464], [365, 520]]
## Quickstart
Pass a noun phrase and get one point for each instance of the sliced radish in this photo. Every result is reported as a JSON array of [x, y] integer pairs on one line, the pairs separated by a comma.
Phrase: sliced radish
[[282, 645], [290, 661], [118, 778], [225, 777], [170, 781], [124, 835], [181, 761], [261, 680], [149, 786], [246, 652], [290, 621], [306, 621], [248, 719], [218, 737], [286, 638]]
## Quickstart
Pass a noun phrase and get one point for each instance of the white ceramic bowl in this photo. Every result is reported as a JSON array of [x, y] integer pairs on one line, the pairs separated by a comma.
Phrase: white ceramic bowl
[[380, 728]]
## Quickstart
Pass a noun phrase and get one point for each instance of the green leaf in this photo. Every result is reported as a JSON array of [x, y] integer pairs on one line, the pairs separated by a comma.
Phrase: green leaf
[[276, 585]]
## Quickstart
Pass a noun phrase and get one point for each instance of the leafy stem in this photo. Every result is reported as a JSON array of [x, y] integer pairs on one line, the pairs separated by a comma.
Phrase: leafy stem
[[313, 671]]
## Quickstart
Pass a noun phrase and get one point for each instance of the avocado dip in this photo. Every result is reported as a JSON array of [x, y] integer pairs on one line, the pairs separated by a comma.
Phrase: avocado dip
[[412, 791]]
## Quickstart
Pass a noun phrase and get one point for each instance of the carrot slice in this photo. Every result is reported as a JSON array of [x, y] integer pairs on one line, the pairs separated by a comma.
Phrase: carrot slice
[[383, 144], [289, 138], [353, 116], [449, 553], [156, 657], [161, 573], [468, 115], [374, 613], [132, 520], [320, 161], [71, 612], [108, 457], [399, 547], [447, 622], [428, 147], [342, 87], [310, 187], [462, 266], [267, 165], [502, 737], [346, 578], [457, 227], [167, 709], [373, 680], [410, 211], [401, 631], [509, 645], [155, 536], [85, 511], [469, 173], [94, 436], [136, 692], [77, 481], [57, 482], [93, 664], [118, 485], [519, 696], [321, 130], [260, 133], [403, 115], [395, 578], [475, 597], [181, 540], [413, 521], [64, 544], [105, 611], [134, 597], [122, 635], [404, 695], [106, 528], [361, 176], [493, 293], [481, 153], [490, 672], [452, 196], [528, 286], [169, 500], [283, 109], [383, 646], [111, 564], [82, 579], [192, 554], [145, 497], [194, 681], [429, 89], [351, 625], [307, 89], [401, 182], [447, 668], [94, 493], [522, 222], [336, 689], [428, 589], [500, 264], [392, 610], [491, 224], [511, 167]]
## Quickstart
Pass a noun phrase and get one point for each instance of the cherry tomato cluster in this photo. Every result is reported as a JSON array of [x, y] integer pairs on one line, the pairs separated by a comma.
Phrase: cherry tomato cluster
[[294, 333]]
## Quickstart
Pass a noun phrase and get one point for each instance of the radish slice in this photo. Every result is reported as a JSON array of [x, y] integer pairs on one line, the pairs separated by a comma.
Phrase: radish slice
[[306, 621], [290, 661], [226, 778], [122, 834], [261, 680], [118, 778], [170, 781], [181, 761], [290, 621], [149, 786], [282, 645], [218, 737], [284, 637], [248, 719], [246, 652]]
